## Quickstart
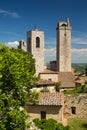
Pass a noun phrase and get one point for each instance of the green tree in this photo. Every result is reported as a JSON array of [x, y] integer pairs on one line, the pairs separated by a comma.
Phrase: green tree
[[17, 69], [33, 98], [50, 124]]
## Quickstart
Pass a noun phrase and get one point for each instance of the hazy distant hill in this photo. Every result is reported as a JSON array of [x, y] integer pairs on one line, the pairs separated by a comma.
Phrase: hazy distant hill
[[79, 67]]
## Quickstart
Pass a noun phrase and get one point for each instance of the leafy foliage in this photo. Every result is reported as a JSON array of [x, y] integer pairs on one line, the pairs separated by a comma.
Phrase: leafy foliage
[[80, 67], [45, 89], [17, 69], [50, 124], [33, 98], [57, 86], [78, 123], [78, 90]]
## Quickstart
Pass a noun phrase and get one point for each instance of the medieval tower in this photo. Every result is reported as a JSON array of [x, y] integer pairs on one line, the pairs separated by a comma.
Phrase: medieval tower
[[63, 32], [35, 45]]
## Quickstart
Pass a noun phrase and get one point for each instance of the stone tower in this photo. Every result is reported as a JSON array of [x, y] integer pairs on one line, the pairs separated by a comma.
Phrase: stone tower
[[35, 45], [63, 32], [22, 45]]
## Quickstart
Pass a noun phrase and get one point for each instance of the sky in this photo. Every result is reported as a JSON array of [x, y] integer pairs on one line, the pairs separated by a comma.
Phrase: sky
[[19, 16]]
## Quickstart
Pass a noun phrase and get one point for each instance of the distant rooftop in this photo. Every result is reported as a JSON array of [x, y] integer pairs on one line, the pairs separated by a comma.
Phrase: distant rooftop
[[67, 79]]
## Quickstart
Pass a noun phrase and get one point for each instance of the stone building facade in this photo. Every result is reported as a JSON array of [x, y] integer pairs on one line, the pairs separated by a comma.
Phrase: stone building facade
[[63, 32], [75, 106], [49, 75], [61, 68], [35, 45], [22, 45], [50, 105]]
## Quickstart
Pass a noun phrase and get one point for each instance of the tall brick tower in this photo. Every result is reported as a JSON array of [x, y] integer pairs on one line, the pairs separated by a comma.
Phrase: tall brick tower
[[63, 32], [35, 45]]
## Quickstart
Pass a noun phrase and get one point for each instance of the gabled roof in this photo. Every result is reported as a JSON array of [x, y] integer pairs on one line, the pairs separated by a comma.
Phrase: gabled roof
[[67, 79], [48, 98]]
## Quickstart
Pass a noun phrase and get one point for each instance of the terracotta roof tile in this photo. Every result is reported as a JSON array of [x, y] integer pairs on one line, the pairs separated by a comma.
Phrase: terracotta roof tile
[[47, 98], [67, 79]]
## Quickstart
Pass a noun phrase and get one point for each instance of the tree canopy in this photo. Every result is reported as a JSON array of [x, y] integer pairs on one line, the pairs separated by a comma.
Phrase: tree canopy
[[17, 69], [49, 124]]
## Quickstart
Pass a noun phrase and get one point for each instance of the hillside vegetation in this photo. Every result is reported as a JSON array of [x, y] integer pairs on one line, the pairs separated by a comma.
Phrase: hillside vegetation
[[77, 124], [79, 67]]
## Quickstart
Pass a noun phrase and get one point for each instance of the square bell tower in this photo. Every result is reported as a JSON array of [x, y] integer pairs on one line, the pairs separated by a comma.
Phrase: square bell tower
[[63, 32], [35, 45]]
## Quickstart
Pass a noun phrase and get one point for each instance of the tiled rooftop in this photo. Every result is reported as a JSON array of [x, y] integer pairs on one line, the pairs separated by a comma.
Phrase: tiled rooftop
[[67, 79], [47, 98]]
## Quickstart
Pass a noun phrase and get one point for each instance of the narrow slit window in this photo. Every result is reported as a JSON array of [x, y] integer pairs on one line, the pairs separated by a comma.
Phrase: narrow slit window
[[37, 42]]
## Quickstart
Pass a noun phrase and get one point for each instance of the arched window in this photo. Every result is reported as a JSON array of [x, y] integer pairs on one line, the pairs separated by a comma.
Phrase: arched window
[[37, 42], [64, 25]]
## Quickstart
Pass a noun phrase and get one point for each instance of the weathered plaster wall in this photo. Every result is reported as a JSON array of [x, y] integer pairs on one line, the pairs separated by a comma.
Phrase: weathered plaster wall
[[53, 77]]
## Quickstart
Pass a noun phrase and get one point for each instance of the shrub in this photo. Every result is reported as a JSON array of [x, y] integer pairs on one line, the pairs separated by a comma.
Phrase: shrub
[[50, 124], [45, 90], [57, 86]]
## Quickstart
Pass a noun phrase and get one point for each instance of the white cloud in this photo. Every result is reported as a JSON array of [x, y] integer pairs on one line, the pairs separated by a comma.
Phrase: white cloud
[[78, 55], [50, 41], [13, 44], [81, 40], [50, 52], [81, 51], [79, 37], [9, 13]]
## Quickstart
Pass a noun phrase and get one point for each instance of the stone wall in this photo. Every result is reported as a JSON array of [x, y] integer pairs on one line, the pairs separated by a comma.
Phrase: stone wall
[[55, 112], [75, 106]]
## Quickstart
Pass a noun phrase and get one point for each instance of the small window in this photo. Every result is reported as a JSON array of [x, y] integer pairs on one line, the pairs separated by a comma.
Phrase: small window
[[73, 110], [65, 34], [64, 25], [49, 79], [37, 42], [43, 114]]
